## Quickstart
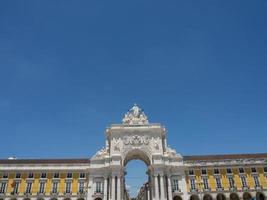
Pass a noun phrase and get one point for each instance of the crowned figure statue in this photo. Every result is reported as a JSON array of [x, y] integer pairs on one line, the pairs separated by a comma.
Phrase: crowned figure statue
[[135, 116]]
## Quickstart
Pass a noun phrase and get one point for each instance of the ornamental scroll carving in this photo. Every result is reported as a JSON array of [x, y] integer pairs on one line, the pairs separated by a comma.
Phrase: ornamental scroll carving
[[136, 140]]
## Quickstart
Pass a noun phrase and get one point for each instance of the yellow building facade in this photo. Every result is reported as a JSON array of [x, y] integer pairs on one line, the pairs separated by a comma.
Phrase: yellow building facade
[[236, 176], [42, 179]]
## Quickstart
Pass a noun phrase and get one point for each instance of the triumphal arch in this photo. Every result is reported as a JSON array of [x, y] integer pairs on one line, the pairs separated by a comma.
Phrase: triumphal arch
[[136, 138]]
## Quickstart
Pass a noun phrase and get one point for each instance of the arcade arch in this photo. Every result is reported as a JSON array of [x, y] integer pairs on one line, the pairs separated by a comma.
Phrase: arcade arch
[[260, 196], [220, 196], [247, 196], [177, 198], [194, 197], [234, 196], [207, 197]]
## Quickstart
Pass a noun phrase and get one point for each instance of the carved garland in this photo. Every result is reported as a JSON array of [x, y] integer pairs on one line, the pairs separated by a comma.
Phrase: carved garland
[[136, 140]]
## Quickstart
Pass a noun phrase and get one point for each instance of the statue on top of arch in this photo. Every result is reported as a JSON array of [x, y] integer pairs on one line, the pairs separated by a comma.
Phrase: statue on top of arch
[[135, 116]]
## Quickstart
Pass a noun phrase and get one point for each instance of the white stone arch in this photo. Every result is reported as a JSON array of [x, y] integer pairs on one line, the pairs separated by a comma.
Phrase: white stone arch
[[136, 138], [136, 154]]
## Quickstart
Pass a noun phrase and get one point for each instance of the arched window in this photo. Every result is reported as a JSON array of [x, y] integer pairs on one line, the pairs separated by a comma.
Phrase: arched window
[[194, 197], [234, 196], [207, 197], [247, 196], [260, 196], [177, 198], [220, 196]]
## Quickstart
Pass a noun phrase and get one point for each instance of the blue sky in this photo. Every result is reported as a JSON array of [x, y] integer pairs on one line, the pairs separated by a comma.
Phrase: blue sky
[[68, 69]]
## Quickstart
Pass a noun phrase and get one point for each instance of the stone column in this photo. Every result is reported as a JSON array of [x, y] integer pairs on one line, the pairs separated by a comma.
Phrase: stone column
[[156, 187], [110, 188], [169, 187], [162, 191], [105, 188], [90, 188], [183, 187], [118, 188], [113, 190]]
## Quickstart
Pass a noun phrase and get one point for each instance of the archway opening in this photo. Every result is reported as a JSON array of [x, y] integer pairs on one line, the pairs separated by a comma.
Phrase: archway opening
[[136, 179], [194, 197], [220, 196], [207, 197], [260, 196], [234, 196], [247, 196], [177, 198]]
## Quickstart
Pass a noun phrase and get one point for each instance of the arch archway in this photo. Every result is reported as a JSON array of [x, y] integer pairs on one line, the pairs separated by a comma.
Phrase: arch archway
[[234, 196], [247, 196], [260, 196], [177, 198], [194, 197], [136, 178], [138, 161], [220, 196], [136, 139], [136, 154], [207, 197]]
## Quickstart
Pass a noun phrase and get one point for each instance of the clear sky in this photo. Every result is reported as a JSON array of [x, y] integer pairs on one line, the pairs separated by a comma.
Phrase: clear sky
[[68, 69]]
